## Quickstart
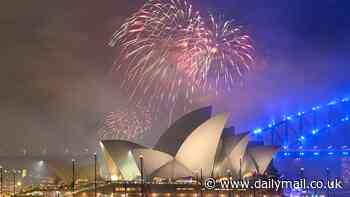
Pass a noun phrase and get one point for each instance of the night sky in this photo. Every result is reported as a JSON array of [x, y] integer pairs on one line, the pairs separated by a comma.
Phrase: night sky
[[55, 77]]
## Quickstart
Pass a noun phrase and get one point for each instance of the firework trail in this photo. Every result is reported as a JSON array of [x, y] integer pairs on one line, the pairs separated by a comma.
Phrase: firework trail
[[127, 124], [168, 52], [228, 54]]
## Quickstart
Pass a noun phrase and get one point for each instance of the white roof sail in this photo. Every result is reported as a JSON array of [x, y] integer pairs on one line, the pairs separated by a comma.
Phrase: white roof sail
[[152, 159], [199, 149], [174, 136], [119, 151], [258, 158], [231, 155], [237, 153]]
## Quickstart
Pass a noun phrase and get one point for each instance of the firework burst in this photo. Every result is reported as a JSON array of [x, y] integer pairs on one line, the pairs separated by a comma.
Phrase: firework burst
[[227, 55], [168, 51], [158, 46], [128, 124]]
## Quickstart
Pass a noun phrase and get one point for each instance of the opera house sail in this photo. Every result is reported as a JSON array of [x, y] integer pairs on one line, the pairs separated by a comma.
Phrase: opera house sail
[[196, 143]]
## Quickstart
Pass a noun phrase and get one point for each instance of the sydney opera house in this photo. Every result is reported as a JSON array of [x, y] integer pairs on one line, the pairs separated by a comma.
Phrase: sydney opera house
[[195, 145]]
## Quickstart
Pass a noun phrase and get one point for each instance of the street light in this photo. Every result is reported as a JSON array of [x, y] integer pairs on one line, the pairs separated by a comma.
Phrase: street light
[[240, 168], [14, 181], [229, 178], [95, 174], [1, 180], [201, 182], [141, 169], [73, 177]]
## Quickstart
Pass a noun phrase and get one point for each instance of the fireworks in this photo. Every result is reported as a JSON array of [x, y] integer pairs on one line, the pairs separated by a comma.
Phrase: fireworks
[[228, 54], [128, 124], [167, 51], [156, 45]]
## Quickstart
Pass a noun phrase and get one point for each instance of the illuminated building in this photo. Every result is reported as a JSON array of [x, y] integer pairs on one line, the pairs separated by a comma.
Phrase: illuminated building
[[195, 144]]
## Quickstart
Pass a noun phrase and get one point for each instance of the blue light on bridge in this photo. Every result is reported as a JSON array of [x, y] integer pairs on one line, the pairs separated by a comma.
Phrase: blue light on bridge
[[345, 99], [301, 113], [272, 124], [315, 131], [257, 131], [286, 154], [316, 108], [302, 138], [345, 119], [285, 117], [332, 103], [292, 118]]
